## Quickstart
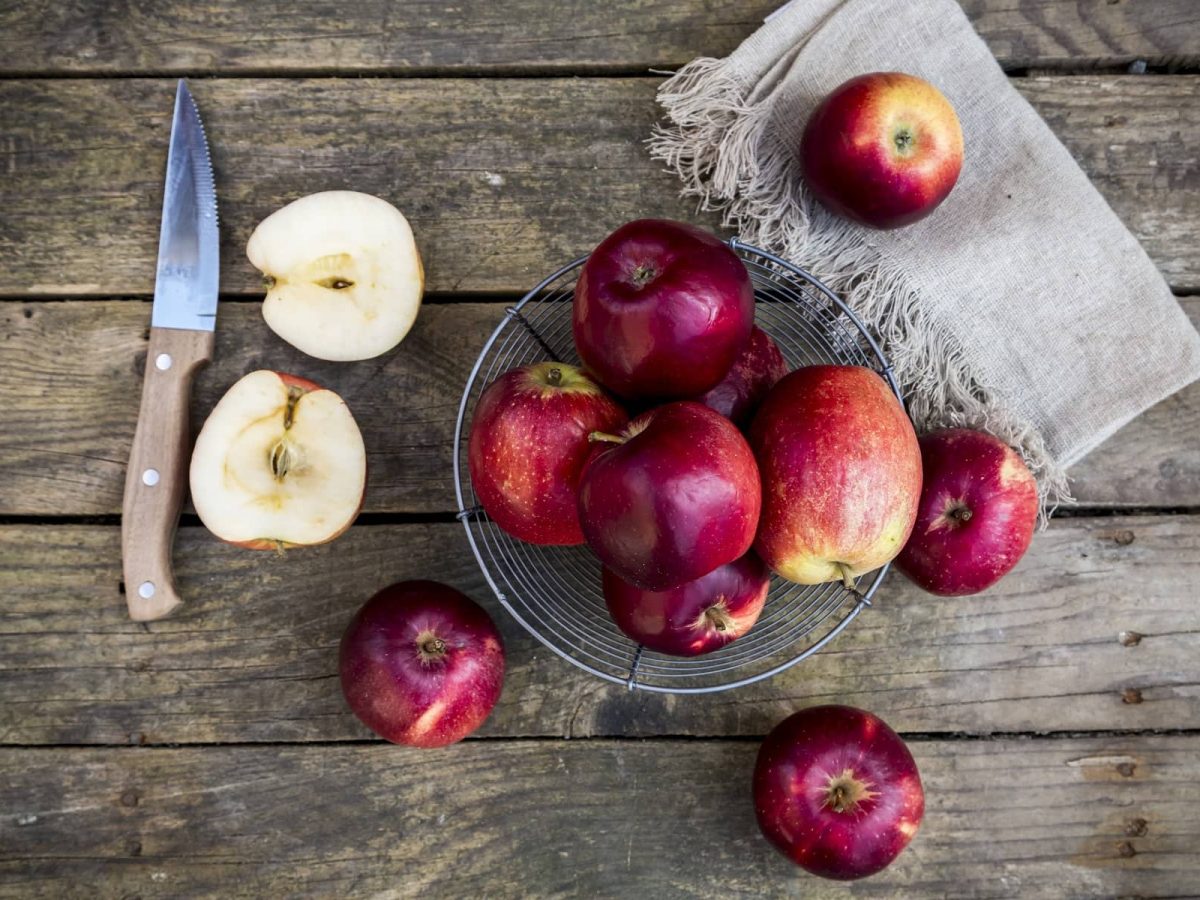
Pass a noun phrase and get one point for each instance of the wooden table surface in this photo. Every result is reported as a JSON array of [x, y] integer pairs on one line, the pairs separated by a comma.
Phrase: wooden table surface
[[1056, 719]]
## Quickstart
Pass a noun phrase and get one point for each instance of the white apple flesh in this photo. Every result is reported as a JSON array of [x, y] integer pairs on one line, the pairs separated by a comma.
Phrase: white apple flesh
[[280, 462], [344, 277]]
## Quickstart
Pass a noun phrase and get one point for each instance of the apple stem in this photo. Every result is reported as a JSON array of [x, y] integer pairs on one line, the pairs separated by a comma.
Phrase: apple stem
[[961, 514], [847, 578], [717, 617], [643, 274], [434, 646], [838, 798], [605, 437], [554, 376], [294, 395]]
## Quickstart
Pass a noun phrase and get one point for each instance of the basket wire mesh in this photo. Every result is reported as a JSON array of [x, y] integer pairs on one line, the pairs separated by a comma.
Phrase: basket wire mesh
[[554, 592]]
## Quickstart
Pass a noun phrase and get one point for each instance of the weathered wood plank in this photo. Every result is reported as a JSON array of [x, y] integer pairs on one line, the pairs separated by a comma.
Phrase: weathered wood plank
[[1010, 818], [67, 417], [1152, 461], [502, 185], [253, 655], [476, 36], [72, 460]]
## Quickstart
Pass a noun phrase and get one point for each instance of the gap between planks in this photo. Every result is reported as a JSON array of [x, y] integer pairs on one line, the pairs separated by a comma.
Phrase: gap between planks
[[912, 737]]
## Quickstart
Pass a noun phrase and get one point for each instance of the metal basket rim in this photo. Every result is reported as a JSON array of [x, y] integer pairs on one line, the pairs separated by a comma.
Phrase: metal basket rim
[[464, 514]]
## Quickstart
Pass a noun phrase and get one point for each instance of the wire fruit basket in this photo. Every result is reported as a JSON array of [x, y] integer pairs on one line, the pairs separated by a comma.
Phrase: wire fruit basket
[[554, 592]]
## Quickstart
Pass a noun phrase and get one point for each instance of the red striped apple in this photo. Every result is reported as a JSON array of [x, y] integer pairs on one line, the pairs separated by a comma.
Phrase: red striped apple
[[421, 664], [279, 463], [978, 510], [883, 149], [528, 444], [661, 310], [670, 497], [841, 473], [753, 373], [697, 616], [837, 792]]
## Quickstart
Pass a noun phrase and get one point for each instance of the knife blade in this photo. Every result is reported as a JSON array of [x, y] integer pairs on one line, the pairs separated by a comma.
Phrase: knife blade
[[181, 341]]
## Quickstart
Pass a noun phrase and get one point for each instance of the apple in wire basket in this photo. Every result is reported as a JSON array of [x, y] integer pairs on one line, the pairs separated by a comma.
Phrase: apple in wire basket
[[695, 617], [528, 445], [841, 474], [754, 372], [279, 463], [670, 497], [661, 310]]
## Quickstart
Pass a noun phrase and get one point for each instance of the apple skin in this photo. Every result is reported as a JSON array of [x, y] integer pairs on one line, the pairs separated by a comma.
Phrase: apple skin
[[841, 472], [754, 372], [406, 686], [697, 616], [976, 518], [824, 757], [528, 445], [661, 310], [883, 149], [304, 386], [678, 496]]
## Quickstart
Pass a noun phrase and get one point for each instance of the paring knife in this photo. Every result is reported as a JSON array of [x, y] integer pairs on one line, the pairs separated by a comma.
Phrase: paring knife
[[181, 340]]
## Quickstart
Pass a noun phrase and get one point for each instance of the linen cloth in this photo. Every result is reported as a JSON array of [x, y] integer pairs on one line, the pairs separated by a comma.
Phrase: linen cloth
[[1022, 305]]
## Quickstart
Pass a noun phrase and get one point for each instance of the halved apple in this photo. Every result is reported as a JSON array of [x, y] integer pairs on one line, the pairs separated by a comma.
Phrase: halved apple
[[344, 277], [279, 463]]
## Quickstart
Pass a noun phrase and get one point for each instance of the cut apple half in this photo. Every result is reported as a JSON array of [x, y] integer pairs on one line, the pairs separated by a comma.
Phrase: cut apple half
[[343, 274], [279, 463]]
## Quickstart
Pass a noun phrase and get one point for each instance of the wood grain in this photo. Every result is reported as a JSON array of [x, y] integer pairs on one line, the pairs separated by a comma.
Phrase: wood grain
[[67, 418], [1097, 628], [422, 36], [1004, 818], [502, 186]]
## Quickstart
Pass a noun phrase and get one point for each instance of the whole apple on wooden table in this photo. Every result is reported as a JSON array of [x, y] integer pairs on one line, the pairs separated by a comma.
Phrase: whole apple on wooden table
[[837, 792], [977, 515], [421, 664]]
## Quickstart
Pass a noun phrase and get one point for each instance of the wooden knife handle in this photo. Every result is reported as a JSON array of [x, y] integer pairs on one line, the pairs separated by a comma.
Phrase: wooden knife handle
[[158, 470]]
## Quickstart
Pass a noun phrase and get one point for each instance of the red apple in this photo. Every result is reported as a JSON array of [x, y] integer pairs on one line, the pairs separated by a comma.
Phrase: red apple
[[841, 472], [696, 617], [883, 149], [837, 792], [528, 444], [753, 373], [671, 497], [661, 310], [978, 509], [279, 463], [421, 664]]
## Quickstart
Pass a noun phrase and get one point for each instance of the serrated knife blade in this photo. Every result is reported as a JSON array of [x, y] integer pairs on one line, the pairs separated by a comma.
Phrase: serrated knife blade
[[185, 285], [181, 341]]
